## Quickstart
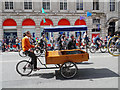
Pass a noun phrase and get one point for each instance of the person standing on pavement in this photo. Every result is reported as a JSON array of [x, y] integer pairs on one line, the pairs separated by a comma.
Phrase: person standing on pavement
[[17, 43], [26, 46], [72, 43]]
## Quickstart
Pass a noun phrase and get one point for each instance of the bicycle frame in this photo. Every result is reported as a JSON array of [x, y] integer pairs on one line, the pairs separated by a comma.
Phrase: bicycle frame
[[45, 65]]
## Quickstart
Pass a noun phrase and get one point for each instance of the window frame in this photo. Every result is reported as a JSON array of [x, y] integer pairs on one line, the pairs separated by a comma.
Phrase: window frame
[[79, 5], [96, 4], [96, 21], [111, 4], [9, 5], [63, 1], [46, 6], [27, 2]]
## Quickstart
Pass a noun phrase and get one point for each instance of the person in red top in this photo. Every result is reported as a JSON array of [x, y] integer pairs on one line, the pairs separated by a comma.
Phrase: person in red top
[[26, 46]]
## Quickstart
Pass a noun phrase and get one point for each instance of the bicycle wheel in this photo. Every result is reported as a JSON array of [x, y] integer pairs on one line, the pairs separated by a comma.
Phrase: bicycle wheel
[[113, 47], [103, 49], [24, 68], [22, 53], [92, 49], [37, 52], [68, 70]]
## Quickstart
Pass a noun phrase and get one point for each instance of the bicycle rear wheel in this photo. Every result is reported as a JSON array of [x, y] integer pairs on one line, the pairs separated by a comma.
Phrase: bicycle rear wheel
[[68, 70], [24, 68], [103, 49], [92, 49]]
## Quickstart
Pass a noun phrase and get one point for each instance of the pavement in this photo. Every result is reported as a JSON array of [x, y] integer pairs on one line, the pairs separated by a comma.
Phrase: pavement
[[101, 71]]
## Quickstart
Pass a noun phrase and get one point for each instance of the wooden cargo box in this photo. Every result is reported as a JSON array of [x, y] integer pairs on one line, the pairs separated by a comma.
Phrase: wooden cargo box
[[62, 56]]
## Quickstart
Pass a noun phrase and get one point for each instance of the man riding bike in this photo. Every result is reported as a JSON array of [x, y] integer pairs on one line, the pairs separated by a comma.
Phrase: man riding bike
[[96, 40], [26, 46]]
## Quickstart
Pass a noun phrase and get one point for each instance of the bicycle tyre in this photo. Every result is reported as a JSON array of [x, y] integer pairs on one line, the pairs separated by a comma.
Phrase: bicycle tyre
[[24, 68]]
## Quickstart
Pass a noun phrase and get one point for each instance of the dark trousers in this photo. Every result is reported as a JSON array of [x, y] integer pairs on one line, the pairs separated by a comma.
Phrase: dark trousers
[[33, 57], [17, 45], [97, 44]]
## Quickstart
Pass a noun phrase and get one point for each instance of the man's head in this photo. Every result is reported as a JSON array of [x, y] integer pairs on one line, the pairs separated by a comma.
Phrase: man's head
[[63, 34], [72, 36], [43, 35], [28, 34]]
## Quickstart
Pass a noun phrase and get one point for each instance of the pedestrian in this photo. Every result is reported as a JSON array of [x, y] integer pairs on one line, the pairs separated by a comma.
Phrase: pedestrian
[[52, 41], [3, 47], [59, 42], [17, 44], [79, 41], [26, 46], [72, 43]]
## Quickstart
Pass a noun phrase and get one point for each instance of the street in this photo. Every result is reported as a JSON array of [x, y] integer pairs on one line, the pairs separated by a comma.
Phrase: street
[[101, 71]]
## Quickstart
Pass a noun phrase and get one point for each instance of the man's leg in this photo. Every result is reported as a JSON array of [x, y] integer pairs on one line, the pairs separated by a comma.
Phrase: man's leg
[[34, 59], [97, 44]]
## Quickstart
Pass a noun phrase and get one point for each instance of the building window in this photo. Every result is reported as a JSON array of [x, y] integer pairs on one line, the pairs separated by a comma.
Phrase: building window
[[46, 4], [63, 4], [96, 21], [79, 5], [8, 5], [112, 5], [27, 5], [95, 30], [95, 4]]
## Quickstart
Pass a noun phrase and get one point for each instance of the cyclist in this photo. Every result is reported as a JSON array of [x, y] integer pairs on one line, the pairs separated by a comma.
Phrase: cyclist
[[72, 43], [96, 40], [26, 46], [43, 42]]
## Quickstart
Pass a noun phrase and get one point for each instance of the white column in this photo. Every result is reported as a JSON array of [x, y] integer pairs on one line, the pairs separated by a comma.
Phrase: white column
[[19, 31]]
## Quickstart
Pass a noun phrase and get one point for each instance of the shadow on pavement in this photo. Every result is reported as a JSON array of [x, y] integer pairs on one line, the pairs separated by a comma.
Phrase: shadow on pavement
[[43, 75], [85, 63], [89, 73]]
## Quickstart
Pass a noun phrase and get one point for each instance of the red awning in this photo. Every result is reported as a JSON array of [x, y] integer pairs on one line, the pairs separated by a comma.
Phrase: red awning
[[28, 22], [80, 22], [63, 22], [9, 22], [47, 23]]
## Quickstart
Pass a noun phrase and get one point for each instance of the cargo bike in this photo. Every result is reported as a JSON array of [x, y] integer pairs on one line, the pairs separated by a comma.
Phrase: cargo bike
[[65, 60]]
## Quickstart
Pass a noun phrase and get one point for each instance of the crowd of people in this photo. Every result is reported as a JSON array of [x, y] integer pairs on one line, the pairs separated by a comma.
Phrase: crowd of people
[[60, 43]]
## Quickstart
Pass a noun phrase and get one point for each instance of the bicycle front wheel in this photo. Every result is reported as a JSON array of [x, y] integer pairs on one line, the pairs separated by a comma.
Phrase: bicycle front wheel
[[24, 68], [113, 47]]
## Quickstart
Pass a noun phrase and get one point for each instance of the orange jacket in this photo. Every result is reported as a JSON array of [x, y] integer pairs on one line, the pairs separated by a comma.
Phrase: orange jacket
[[26, 44]]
